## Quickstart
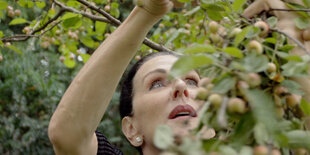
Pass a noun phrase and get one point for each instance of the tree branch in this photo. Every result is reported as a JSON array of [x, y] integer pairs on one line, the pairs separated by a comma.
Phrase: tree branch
[[292, 38], [70, 9], [275, 9], [116, 22], [23, 37]]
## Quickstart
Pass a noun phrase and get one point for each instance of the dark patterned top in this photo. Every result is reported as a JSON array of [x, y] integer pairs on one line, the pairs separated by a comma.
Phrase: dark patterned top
[[105, 147]]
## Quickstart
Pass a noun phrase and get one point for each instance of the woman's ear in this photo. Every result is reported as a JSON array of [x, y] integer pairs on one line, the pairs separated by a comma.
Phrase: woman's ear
[[131, 132]]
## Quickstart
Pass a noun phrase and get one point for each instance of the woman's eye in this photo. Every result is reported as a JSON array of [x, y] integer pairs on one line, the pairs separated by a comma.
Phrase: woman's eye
[[191, 82], [157, 84]]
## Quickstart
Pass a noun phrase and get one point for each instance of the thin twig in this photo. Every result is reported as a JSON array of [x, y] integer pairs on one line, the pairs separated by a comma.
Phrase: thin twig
[[113, 20], [275, 9], [70, 9], [116, 22], [23, 37], [292, 38]]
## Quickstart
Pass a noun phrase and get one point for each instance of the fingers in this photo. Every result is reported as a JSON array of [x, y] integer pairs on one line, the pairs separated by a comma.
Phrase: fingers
[[255, 8]]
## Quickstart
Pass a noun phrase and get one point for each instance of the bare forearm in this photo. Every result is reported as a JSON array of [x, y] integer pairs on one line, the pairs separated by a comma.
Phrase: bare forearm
[[87, 98]]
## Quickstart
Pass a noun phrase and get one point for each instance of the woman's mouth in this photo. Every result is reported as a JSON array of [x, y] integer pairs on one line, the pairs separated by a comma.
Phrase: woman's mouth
[[182, 110]]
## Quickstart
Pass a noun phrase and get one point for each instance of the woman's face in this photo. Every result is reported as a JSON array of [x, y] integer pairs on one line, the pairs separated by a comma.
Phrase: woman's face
[[159, 101]]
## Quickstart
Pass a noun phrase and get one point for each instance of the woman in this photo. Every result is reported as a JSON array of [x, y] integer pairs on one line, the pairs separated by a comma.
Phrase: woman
[[155, 100]]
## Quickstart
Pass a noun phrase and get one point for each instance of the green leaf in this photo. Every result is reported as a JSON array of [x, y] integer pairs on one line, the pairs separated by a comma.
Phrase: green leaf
[[100, 27], [271, 40], [294, 69], [292, 86], [188, 63], [307, 3], [299, 139], [263, 109], [18, 21], [302, 22], [240, 36], [40, 4], [246, 150], [243, 130], [199, 48], [260, 133], [163, 137], [3, 5], [184, 1], [305, 107], [26, 3], [297, 6], [69, 63], [88, 41], [73, 3], [233, 52], [255, 63], [215, 15], [191, 12], [227, 150], [15, 49], [287, 47], [85, 57], [212, 7], [272, 21], [1, 34], [224, 85], [71, 20], [237, 5]]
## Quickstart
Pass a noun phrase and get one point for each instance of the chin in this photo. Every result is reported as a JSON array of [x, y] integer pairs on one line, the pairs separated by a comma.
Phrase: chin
[[183, 125]]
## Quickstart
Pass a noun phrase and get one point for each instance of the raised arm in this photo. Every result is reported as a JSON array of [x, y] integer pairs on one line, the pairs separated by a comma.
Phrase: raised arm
[[80, 110]]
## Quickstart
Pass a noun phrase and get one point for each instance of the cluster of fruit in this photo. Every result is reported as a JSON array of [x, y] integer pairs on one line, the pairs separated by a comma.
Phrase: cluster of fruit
[[13, 13]]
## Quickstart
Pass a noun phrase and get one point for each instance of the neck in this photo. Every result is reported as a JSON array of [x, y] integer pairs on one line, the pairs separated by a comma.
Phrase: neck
[[150, 150]]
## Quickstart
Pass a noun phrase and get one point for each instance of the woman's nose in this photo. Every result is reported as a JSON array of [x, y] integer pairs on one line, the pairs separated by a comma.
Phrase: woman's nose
[[180, 89]]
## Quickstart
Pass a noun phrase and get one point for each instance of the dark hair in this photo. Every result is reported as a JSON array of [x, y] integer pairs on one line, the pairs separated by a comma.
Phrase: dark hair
[[126, 96]]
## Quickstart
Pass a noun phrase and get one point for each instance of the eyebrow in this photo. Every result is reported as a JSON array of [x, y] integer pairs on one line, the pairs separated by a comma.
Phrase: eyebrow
[[159, 70]]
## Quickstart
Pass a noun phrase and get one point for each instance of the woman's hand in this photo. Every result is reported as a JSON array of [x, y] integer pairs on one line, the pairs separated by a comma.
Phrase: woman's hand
[[155, 7]]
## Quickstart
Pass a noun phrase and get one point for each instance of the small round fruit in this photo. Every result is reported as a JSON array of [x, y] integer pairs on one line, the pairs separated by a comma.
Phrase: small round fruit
[[306, 35], [11, 14], [202, 94], [1, 58], [17, 12], [253, 80], [161, 25], [280, 90], [7, 44], [215, 100], [213, 26], [271, 67], [235, 32], [72, 56], [255, 46], [263, 27], [9, 8], [236, 105], [26, 30], [204, 82], [57, 32], [187, 26], [62, 58], [216, 38], [45, 44], [260, 150], [107, 8], [137, 57], [242, 85], [293, 100]]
